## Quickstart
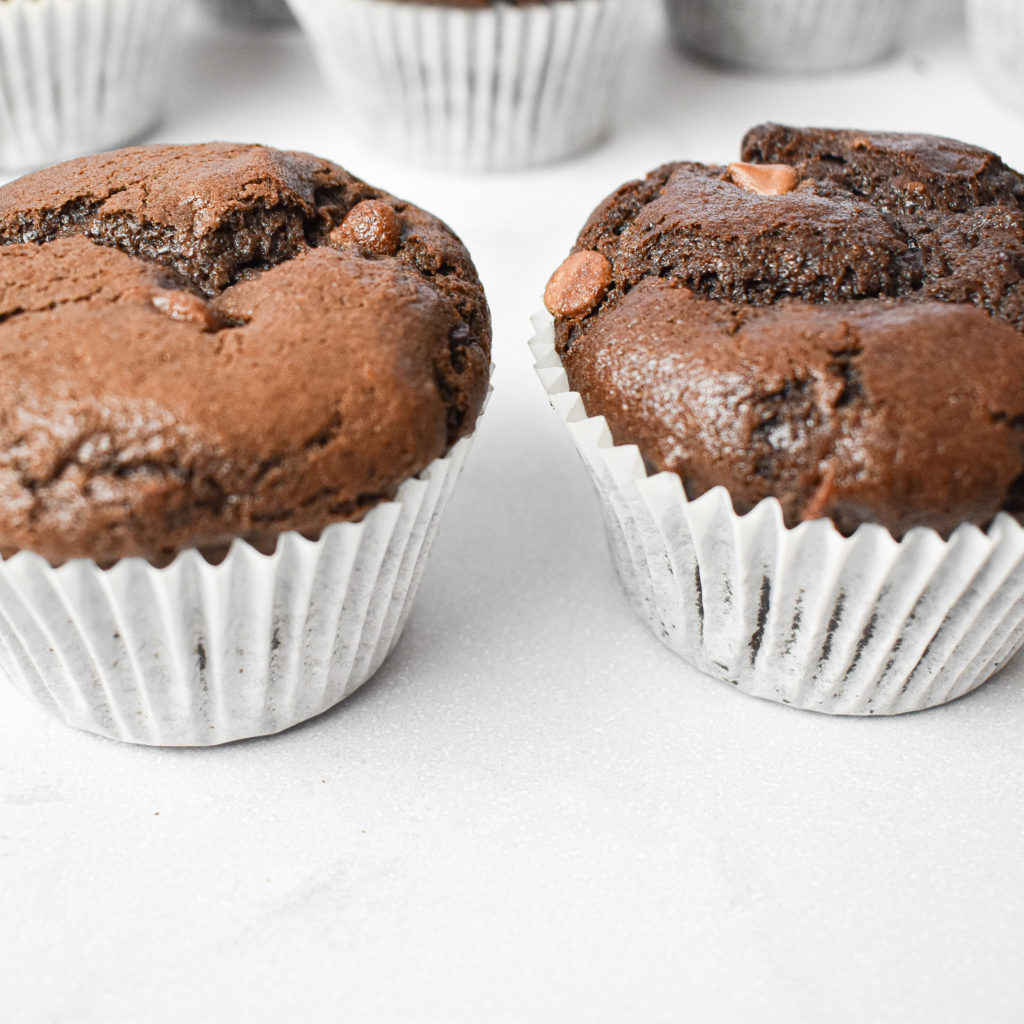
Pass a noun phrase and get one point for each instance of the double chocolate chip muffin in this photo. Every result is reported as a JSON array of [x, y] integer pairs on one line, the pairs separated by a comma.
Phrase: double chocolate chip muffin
[[798, 383], [218, 341], [239, 387], [835, 321]]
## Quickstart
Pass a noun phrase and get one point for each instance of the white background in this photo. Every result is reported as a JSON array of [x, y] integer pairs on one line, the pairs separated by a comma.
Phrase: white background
[[534, 812]]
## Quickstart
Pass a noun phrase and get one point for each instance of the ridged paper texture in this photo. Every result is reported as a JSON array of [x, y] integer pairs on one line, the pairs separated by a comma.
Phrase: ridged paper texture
[[855, 625], [254, 12], [789, 35], [77, 76], [497, 88], [197, 654]]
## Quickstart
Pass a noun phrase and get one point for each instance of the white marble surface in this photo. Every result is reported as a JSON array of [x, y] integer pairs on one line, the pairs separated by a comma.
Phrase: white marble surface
[[535, 813]]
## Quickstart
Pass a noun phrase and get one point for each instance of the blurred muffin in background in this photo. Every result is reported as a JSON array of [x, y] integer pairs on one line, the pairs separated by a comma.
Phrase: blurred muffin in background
[[789, 35], [473, 84], [80, 75], [995, 29], [260, 13]]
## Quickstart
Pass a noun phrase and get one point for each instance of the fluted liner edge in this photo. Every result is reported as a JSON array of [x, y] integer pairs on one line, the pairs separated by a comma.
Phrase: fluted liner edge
[[195, 654], [860, 625]]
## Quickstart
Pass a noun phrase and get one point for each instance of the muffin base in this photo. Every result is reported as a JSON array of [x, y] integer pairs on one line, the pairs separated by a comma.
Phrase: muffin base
[[860, 625], [788, 35], [196, 654], [490, 89], [79, 76], [258, 13]]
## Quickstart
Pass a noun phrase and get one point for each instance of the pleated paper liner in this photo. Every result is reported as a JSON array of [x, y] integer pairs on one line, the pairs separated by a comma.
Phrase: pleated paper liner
[[860, 625], [196, 654], [78, 76], [790, 35], [259, 13], [485, 89]]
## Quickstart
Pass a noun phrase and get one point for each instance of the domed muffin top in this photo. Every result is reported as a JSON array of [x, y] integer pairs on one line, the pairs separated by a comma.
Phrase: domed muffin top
[[218, 341], [835, 320]]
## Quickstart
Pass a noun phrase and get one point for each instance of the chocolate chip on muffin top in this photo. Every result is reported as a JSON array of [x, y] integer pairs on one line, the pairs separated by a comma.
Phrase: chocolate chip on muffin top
[[220, 341], [835, 321]]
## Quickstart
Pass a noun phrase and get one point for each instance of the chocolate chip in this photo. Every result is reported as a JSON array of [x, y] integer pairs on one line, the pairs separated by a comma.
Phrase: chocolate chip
[[187, 307], [765, 179], [578, 285], [371, 224]]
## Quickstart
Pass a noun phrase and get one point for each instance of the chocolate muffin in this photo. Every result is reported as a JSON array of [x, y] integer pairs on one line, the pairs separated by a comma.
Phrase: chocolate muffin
[[219, 341], [836, 321], [241, 385]]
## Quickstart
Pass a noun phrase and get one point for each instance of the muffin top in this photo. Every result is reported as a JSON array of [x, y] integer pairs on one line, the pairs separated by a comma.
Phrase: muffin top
[[835, 321], [218, 341]]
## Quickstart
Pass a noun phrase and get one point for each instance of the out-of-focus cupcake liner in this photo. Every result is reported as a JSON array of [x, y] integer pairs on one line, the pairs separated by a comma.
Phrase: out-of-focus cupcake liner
[[491, 89], [860, 625], [77, 76], [195, 654], [789, 35], [264, 13], [995, 29]]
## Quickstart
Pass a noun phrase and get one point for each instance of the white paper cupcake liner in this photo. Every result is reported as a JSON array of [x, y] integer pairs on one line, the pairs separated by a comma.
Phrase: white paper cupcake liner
[[264, 13], [77, 76], [196, 654], [490, 89], [995, 29], [789, 35], [860, 625]]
